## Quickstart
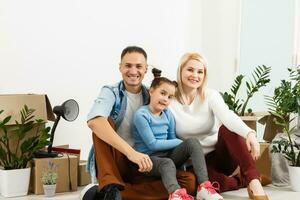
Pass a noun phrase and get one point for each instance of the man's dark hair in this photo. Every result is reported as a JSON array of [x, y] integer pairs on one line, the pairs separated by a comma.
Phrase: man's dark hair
[[133, 49]]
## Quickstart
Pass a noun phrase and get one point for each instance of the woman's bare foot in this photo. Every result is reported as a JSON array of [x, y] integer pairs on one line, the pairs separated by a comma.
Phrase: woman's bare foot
[[256, 188]]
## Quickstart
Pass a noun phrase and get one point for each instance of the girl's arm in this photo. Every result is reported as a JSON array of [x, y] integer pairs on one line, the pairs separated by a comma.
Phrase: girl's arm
[[145, 132]]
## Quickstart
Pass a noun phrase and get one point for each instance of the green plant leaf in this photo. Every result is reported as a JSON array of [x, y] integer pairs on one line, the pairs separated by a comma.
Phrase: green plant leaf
[[27, 145]]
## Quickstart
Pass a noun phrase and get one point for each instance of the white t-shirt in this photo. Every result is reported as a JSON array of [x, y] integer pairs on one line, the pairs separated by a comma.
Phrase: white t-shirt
[[202, 120], [134, 101]]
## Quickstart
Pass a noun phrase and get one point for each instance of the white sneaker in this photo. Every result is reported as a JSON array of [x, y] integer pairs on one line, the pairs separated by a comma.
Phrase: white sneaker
[[206, 191], [180, 194]]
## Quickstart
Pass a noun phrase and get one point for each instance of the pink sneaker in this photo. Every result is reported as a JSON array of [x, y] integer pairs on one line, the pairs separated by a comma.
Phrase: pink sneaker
[[206, 191], [180, 194]]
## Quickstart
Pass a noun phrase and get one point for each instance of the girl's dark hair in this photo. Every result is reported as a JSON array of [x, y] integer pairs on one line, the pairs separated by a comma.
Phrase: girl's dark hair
[[158, 80]]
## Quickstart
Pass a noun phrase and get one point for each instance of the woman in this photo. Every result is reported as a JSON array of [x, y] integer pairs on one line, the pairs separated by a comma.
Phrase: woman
[[234, 144]]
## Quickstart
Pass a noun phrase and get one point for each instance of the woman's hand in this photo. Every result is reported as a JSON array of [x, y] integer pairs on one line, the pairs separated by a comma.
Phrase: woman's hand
[[253, 145]]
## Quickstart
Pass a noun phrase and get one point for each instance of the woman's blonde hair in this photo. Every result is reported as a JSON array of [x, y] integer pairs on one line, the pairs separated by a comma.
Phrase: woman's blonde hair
[[183, 61]]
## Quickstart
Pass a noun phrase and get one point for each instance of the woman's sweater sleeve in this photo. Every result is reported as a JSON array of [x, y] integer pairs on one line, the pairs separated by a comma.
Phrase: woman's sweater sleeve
[[227, 117]]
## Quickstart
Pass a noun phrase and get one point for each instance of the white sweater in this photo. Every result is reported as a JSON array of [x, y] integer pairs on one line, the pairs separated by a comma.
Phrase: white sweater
[[202, 120]]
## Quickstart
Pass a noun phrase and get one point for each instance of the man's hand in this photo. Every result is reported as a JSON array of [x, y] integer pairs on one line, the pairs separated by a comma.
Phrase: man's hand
[[142, 160], [253, 145]]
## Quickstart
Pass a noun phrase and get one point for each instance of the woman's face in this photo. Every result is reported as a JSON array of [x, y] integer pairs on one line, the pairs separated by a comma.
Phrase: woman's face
[[192, 74], [161, 96]]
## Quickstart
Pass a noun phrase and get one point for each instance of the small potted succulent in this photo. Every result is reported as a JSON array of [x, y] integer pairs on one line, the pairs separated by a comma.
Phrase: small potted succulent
[[49, 178]]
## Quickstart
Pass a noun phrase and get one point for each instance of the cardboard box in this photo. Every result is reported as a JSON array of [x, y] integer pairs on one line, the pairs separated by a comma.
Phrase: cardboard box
[[67, 173], [264, 118], [252, 120], [11, 104], [84, 178], [263, 164], [271, 129]]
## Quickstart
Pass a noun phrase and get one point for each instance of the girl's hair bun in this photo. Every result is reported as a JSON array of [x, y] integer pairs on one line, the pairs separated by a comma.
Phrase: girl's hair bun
[[156, 73]]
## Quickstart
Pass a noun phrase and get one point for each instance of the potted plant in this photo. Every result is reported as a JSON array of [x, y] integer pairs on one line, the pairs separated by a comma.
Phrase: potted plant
[[238, 105], [260, 78], [49, 177], [282, 104], [17, 148]]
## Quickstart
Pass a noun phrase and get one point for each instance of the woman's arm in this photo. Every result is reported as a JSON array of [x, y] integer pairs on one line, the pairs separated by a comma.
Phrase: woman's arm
[[234, 123], [227, 117]]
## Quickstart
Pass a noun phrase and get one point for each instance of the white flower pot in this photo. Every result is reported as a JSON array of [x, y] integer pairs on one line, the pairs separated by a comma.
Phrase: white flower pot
[[14, 182], [294, 178], [49, 190]]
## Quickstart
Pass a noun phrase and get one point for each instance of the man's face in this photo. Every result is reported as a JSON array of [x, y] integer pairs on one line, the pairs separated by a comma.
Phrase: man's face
[[133, 68]]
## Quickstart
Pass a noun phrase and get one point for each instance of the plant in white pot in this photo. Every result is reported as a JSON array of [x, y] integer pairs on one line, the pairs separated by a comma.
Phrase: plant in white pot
[[17, 147], [49, 178], [282, 104]]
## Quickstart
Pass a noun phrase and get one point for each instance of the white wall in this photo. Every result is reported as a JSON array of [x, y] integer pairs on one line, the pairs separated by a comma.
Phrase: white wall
[[220, 29], [70, 48], [267, 38]]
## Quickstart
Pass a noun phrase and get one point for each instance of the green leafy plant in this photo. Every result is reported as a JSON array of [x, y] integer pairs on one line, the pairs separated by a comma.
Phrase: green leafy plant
[[17, 157], [49, 174], [282, 104], [260, 78]]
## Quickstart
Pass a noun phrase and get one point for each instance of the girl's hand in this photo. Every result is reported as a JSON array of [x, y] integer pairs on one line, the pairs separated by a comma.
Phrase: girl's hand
[[253, 145]]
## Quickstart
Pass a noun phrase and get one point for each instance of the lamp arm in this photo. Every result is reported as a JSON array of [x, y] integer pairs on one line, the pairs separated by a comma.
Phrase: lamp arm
[[52, 133]]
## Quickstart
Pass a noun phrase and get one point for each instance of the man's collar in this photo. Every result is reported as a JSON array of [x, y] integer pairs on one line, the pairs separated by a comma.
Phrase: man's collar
[[123, 89]]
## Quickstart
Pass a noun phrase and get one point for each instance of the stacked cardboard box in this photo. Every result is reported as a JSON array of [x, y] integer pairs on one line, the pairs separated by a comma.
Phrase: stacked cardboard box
[[66, 170], [84, 177]]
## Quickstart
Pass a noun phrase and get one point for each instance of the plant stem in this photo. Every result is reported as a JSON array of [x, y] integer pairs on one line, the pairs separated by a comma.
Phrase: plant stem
[[244, 106], [290, 142]]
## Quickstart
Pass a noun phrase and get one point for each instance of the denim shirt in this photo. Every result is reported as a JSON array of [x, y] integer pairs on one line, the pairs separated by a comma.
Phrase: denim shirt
[[111, 102]]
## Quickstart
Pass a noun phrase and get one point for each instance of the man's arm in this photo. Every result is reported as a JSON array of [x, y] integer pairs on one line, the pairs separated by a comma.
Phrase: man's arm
[[103, 130]]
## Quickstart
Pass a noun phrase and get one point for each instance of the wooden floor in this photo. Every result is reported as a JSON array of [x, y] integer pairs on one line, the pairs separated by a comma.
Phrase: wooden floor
[[274, 193]]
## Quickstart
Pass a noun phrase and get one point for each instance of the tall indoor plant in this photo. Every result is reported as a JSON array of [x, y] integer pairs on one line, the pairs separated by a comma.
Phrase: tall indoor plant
[[17, 147], [260, 77], [282, 105]]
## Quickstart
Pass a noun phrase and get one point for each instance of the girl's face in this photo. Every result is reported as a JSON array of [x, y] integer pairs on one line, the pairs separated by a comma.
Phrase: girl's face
[[192, 74], [161, 96]]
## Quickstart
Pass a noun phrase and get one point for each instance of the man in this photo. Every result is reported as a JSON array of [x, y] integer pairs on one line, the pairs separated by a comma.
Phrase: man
[[117, 163]]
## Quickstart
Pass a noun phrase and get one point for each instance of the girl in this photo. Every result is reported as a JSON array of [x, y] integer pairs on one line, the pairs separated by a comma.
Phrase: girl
[[154, 134]]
